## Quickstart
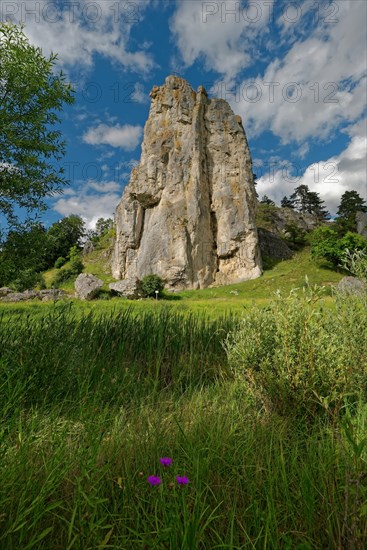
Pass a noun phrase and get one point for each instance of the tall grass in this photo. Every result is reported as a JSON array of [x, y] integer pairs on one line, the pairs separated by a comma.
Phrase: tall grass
[[90, 403]]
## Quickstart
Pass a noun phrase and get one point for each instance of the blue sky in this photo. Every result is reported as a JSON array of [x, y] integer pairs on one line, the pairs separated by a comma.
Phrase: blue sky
[[295, 72]]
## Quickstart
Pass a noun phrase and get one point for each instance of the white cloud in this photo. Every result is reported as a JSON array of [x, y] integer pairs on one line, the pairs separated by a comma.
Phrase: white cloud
[[79, 30], [328, 72], [126, 137], [139, 95], [330, 177], [221, 33], [91, 200]]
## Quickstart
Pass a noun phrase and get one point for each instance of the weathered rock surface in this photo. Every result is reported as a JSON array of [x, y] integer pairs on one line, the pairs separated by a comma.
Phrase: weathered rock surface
[[52, 294], [44, 295], [87, 286], [351, 286], [128, 288], [4, 290], [273, 246], [188, 213], [361, 219]]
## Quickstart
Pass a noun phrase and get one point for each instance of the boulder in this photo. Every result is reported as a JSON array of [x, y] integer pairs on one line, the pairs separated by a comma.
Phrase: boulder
[[351, 286], [21, 296], [87, 286], [5, 290], [53, 294], [129, 288]]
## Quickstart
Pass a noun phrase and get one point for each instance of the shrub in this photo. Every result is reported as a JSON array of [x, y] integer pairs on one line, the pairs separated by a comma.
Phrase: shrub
[[60, 262], [326, 243], [28, 279], [295, 236], [150, 284], [74, 267], [294, 355]]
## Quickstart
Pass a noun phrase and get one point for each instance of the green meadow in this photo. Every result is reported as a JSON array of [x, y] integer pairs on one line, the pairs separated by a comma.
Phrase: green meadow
[[259, 400]]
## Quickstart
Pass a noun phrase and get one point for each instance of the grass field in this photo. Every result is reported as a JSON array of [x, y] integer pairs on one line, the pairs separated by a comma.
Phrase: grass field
[[266, 417], [260, 402], [284, 276]]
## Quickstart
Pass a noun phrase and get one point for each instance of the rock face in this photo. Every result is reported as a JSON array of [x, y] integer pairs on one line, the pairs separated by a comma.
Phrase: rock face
[[361, 219], [351, 286], [272, 246], [44, 295], [129, 288], [87, 286], [188, 213]]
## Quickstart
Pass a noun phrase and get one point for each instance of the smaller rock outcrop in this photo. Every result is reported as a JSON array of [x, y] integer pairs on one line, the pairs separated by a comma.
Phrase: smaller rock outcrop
[[87, 286], [273, 246], [129, 288], [351, 286], [361, 219], [52, 295], [46, 295], [5, 290]]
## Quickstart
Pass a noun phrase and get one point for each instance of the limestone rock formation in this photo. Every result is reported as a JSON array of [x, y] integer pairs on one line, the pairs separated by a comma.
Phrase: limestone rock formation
[[129, 288], [188, 212], [87, 286], [351, 286]]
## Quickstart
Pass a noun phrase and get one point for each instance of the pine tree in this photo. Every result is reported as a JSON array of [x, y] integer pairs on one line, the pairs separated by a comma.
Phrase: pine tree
[[351, 203], [286, 203], [266, 200]]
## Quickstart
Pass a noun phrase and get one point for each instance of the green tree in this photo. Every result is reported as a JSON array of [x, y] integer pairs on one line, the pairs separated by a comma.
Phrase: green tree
[[103, 225], [31, 95], [266, 200], [23, 254], [326, 244], [286, 203], [350, 203], [306, 201], [64, 234]]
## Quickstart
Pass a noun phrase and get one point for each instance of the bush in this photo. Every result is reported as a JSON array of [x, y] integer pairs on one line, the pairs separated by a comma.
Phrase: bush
[[150, 285], [74, 267], [326, 243], [294, 356], [28, 279], [295, 236], [60, 262]]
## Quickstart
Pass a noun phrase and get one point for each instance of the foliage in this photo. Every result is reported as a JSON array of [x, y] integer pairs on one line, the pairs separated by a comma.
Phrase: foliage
[[151, 286], [31, 94], [71, 270], [89, 405], [266, 200], [325, 243], [351, 203], [294, 357], [295, 236], [306, 201], [103, 225], [64, 234], [286, 203], [25, 250], [28, 279], [356, 262], [60, 262]]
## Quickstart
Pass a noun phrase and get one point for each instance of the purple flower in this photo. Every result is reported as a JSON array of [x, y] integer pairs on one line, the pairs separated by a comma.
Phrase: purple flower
[[165, 461], [154, 480], [182, 480]]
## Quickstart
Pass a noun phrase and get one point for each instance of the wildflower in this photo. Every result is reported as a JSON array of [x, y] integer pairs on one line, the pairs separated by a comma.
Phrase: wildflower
[[165, 461], [182, 480], [154, 480]]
